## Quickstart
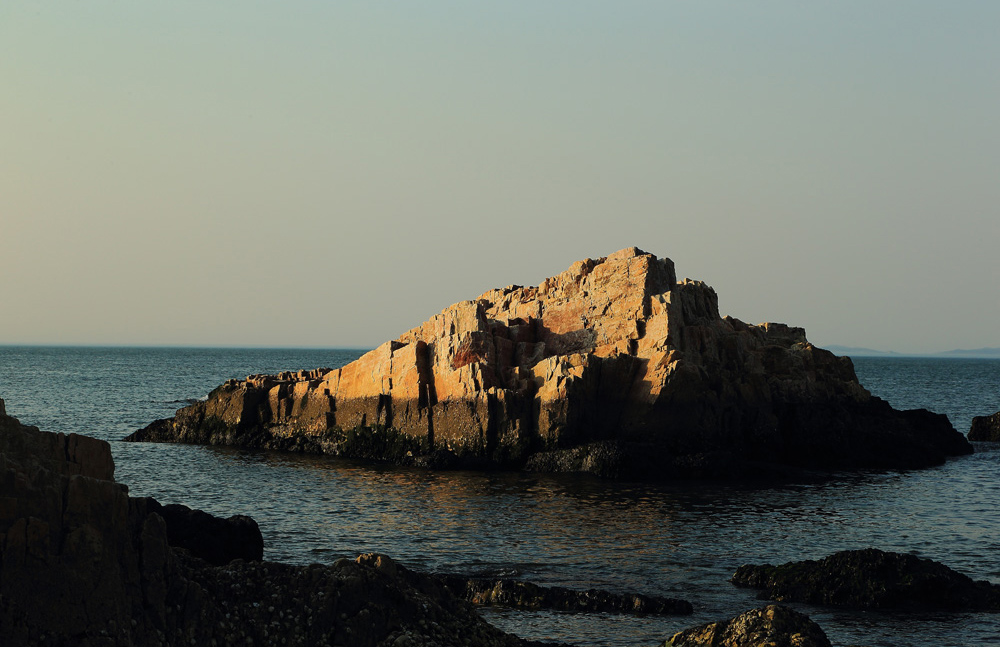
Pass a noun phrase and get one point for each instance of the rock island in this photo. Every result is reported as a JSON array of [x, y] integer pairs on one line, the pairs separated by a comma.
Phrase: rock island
[[613, 367]]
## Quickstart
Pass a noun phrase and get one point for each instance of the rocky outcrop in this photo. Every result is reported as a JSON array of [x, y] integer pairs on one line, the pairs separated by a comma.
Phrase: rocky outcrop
[[613, 367], [526, 595], [772, 626], [871, 579], [368, 602], [217, 541], [986, 428], [83, 564], [79, 559]]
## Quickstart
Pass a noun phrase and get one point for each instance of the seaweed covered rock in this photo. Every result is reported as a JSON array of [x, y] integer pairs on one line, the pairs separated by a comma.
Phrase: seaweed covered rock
[[772, 626], [526, 595], [986, 428], [871, 579], [613, 367]]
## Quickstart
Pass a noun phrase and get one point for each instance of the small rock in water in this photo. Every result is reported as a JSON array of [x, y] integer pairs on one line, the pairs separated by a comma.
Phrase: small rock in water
[[772, 626], [986, 428], [871, 579]]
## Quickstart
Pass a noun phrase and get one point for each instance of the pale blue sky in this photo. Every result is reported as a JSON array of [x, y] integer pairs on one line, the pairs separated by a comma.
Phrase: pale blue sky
[[334, 173]]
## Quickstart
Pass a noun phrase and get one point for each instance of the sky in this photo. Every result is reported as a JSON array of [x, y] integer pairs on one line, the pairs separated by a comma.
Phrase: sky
[[331, 174]]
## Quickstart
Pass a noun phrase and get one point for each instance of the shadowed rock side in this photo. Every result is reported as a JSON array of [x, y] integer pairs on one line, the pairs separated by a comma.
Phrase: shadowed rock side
[[871, 579], [986, 428], [82, 564], [772, 626], [613, 367], [215, 540], [525, 595]]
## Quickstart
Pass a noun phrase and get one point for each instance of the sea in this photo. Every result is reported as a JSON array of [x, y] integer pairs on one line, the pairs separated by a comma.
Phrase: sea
[[677, 540]]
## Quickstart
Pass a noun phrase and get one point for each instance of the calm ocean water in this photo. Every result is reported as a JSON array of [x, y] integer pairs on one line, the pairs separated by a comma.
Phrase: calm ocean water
[[677, 540]]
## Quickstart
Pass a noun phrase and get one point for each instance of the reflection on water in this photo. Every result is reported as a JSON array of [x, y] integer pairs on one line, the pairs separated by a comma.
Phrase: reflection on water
[[674, 540]]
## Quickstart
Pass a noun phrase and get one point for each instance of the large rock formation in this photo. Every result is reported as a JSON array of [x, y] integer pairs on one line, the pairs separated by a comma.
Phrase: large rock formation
[[84, 565], [871, 579], [612, 367]]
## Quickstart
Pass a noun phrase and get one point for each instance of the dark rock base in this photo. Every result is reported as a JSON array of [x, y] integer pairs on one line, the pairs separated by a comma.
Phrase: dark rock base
[[871, 579]]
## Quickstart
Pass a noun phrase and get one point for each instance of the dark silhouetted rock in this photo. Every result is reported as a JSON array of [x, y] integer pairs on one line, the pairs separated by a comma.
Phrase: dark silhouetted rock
[[986, 428], [871, 579], [772, 626], [613, 367], [216, 540], [84, 565], [79, 557], [525, 595]]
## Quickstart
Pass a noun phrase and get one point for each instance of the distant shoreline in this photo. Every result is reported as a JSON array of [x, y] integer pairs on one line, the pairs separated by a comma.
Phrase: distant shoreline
[[978, 353]]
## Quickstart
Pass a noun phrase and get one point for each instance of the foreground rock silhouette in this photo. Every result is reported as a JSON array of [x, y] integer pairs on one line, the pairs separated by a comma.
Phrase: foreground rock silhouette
[[871, 579], [612, 367], [84, 564]]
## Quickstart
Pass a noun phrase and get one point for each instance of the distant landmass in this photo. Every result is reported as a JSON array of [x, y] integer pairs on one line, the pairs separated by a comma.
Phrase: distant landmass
[[857, 351], [976, 352]]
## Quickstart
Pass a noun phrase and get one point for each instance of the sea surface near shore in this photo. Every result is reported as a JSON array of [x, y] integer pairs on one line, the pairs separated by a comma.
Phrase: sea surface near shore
[[679, 540]]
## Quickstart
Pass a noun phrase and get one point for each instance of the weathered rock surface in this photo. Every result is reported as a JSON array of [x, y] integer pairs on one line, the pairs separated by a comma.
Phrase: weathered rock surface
[[77, 556], [871, 579], [613, 367], [986, 428], [217, 541], [526, 595], [82, 564], [772, 626]]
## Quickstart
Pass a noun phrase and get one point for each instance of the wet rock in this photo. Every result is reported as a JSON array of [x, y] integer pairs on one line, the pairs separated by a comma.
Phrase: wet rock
[[613, 367], [526, 595], [216, 540], [871, 579], [772, 626], [986, 428]]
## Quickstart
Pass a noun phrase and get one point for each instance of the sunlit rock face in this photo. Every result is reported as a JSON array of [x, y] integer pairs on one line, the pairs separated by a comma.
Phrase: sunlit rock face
[[613, 367]]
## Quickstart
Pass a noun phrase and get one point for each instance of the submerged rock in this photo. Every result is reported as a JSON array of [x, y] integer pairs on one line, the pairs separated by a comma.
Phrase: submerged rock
[[612, 367], [83, 564], [772, 626], [986, 428], [871, 579], [526, 595]]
